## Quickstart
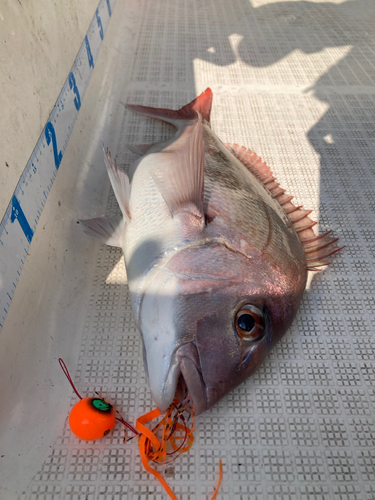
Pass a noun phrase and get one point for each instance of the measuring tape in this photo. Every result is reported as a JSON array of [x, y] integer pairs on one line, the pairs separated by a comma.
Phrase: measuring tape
[[22, 215]]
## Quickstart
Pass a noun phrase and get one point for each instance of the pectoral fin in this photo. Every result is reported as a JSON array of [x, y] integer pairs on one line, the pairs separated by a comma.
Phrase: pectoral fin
[[181, 183]]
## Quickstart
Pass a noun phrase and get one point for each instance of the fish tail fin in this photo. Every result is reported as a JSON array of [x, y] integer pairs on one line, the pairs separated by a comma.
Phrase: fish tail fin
[[108, 229], [120, 184], [202, 104], [317, 247]]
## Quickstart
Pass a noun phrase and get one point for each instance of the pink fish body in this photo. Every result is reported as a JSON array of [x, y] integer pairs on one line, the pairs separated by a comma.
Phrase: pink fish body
[[216, 256]]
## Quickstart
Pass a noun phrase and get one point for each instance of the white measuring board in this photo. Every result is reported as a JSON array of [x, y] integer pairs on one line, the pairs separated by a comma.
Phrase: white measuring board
[[26, 205]]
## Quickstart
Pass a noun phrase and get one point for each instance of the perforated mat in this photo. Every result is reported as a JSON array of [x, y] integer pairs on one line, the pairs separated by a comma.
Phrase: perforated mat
[[294, 81]]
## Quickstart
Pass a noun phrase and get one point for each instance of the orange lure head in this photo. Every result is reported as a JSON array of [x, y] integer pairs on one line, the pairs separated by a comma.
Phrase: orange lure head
[[91, 419]]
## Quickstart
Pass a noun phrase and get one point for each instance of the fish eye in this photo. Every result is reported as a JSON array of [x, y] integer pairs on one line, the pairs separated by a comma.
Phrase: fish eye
[[249, 323]]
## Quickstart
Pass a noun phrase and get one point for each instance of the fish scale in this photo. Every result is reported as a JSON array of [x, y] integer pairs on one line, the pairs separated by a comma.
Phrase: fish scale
[[263, 226]]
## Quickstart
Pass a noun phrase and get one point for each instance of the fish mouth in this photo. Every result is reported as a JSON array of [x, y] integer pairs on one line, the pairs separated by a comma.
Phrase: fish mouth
[[190, 382], [183, 380]]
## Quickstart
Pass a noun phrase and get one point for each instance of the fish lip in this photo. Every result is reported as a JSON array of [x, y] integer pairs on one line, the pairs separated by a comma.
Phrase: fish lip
[[188, 361]]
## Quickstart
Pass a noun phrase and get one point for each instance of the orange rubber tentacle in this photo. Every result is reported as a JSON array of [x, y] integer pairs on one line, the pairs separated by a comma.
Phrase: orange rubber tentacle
[[140, 426], [146, 465], [189, 438], [151, 449], [219, 481]]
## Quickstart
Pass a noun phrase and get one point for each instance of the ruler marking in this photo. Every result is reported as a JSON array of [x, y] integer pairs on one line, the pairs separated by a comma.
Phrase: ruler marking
[[17, 213], [89, 54], [31, 192], [100, 26]]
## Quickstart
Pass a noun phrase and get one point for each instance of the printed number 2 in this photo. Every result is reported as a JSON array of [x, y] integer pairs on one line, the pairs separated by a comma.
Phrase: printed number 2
[[50, 134], [89, 55], [99, 24], [73, 86]]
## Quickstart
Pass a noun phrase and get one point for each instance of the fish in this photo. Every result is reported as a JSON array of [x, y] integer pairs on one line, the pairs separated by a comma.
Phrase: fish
[[216, 254]]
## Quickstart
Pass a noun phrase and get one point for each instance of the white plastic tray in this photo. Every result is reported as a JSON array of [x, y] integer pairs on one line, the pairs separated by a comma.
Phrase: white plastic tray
[[295, 82]]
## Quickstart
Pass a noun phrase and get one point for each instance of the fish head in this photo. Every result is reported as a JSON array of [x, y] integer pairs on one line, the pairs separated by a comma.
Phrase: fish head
[[215, 317]]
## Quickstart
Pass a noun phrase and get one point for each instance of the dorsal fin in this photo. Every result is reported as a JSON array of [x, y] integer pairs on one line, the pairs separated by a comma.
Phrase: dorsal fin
[[202, 104], [317, 247]]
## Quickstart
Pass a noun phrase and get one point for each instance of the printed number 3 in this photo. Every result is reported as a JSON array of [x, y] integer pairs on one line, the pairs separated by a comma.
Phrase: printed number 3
[[50, 134], [73, 86]]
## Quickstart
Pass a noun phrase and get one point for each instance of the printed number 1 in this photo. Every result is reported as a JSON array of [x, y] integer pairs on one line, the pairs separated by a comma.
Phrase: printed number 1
[[18, 214], [109, 8], [89, 54], [51, 134], [100, 26], [73, 86]]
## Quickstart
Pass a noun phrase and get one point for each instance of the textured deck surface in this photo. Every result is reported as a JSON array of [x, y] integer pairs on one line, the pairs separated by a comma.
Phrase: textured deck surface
[[295, 82]]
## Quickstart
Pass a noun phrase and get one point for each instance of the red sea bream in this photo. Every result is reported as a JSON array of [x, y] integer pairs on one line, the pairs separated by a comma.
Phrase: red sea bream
[[216, 256]]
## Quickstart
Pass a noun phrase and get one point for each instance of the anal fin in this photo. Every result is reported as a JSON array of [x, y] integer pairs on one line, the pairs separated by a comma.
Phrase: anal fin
[[317, 247], [140, 149], [120, 183], [108, 229]]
